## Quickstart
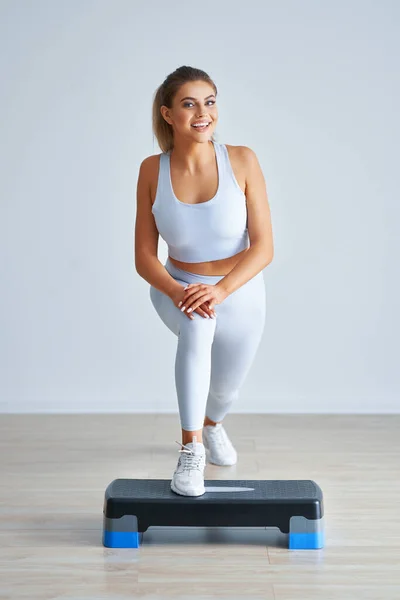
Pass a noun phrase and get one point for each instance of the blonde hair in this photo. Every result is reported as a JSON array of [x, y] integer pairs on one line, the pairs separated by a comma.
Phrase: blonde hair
[[165, 95]]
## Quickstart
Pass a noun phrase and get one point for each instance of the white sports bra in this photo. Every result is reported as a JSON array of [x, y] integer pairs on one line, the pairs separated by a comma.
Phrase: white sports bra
[[204, 231]]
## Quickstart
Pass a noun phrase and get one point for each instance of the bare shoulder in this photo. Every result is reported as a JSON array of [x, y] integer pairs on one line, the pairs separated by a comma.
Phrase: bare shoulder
[[242, 157], [241, 152], [149, 168], [150, 163], [245, 159], [235, 152]]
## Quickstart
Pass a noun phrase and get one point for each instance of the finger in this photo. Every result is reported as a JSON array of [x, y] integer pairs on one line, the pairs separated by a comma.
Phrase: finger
[[207, 310], [191, 292], [194, 306], [187, 299], [210, 307], [193, 286], [189, 315], [195, 300], [184, 300], [202, 310]]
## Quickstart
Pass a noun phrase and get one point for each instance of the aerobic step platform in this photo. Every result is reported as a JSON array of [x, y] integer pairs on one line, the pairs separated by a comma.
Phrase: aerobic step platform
[[294, 506]]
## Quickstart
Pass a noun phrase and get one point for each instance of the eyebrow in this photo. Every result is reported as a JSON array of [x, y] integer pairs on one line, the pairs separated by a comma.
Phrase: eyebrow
[[190, 98]]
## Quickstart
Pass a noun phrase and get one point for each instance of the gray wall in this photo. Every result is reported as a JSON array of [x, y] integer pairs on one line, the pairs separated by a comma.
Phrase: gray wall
[[311, 86]]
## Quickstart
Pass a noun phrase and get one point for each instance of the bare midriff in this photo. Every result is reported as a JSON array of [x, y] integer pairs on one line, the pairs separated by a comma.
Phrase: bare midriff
[[212, 267]]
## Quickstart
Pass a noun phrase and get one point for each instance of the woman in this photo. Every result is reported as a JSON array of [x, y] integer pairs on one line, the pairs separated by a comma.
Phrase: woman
[[208, 201]]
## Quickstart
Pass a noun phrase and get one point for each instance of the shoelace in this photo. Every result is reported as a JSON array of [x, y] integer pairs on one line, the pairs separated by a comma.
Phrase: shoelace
[[190, 460]]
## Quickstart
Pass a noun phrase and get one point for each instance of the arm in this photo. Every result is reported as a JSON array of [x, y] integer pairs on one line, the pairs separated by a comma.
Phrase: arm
[[147, 264], [252, 262], [261, 250]]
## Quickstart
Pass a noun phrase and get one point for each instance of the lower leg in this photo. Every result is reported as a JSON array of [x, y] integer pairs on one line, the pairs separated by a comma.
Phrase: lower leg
[[187, 436], [208, 421]]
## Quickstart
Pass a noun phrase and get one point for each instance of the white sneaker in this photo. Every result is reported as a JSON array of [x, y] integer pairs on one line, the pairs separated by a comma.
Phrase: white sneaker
[[188, 478], [220, 450]]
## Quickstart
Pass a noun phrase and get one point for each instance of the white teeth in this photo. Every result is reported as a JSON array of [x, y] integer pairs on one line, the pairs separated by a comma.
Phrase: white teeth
[[202, 125]]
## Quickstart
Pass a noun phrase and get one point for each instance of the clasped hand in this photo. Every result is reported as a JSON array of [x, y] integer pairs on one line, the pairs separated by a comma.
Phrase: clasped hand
[[197, 294]]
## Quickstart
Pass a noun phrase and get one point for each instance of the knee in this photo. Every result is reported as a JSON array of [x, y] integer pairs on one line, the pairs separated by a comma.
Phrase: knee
[[198, 329], [224, 395]]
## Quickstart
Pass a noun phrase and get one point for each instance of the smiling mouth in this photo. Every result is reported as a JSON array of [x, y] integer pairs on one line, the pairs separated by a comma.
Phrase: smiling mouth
[[202, 127]]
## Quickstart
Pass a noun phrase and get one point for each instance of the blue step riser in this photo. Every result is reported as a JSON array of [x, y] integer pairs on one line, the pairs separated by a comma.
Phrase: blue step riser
[[121, 539], [131, 539], [306, 541]]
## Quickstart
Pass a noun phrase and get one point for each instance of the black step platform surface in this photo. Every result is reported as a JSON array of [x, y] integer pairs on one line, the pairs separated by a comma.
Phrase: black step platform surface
[[294, 506]]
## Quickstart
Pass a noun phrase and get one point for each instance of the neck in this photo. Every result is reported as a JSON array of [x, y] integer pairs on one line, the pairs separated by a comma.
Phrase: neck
[[193, 156]]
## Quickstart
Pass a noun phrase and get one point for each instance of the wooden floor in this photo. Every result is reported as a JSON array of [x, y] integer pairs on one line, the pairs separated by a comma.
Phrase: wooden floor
[[54, 471]]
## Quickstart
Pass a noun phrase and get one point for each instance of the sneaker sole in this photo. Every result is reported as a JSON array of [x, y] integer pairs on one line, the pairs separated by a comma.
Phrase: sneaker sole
[[189, 492], [208, 459]]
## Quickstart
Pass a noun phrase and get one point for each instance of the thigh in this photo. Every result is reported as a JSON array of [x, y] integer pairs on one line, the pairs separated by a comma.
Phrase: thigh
[[166, 309], [240, 326]]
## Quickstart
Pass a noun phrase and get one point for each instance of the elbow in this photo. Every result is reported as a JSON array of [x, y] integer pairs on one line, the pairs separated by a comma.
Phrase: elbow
[[269, 252], [265, 250], [139, 267], [142, 262], [269, 260], [138, 264]]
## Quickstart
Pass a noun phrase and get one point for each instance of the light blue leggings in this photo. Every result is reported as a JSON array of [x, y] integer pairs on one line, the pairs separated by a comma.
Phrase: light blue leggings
[[213, 355]]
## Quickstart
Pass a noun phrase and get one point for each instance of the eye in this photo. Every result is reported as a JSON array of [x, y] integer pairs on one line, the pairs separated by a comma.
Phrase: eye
[[187, 103]]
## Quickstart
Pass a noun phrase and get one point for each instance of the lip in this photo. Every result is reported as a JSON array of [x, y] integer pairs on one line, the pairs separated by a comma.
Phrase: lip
[[207, 126]]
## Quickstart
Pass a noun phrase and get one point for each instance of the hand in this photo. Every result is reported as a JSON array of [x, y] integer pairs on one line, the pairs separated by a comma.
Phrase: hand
[[200, 294], [203, 310]]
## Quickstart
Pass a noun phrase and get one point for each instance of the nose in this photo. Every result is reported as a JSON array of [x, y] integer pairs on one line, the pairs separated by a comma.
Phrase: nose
[[201, 113]]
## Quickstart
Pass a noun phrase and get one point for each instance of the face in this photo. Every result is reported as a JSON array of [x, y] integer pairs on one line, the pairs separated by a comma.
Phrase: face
[[194, 102]]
